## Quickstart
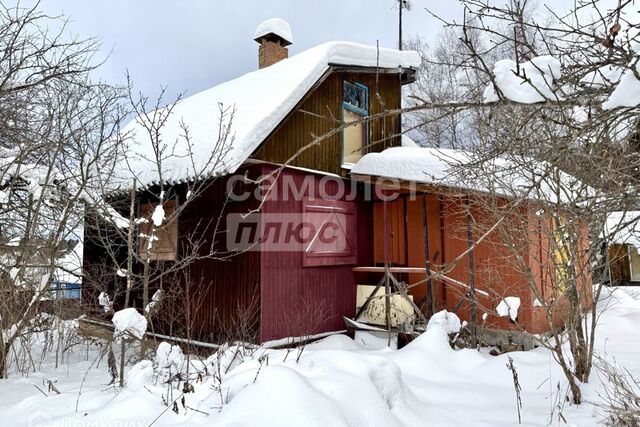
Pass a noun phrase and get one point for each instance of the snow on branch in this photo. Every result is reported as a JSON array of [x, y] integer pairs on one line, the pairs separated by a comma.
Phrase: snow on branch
[[105, 302], [527, 83], [509, 307], [128, 322]]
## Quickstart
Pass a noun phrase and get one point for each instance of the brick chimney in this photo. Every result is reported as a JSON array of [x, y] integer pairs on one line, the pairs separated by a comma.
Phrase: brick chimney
[[274, 35]]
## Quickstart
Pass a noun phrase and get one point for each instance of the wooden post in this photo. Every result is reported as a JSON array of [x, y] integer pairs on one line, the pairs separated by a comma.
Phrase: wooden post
[[387, 285], [132, 216], [430, 301], [443, 253], [472, 290]]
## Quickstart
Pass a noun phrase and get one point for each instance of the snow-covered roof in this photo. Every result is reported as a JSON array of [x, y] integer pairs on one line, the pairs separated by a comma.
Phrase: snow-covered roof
[[451, 168], [424, 165], [406, 141], [627, 92], [277, 26], [260, 99], [623, 228]]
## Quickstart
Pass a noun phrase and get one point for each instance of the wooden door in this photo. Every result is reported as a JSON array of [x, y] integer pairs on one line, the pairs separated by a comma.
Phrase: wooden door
[[396, 230]]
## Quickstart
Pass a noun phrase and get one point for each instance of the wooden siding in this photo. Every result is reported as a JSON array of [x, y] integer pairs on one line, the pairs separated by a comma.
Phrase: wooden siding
[[495, 269], [303, 300], [416, 247], [208, 299], [619, 261], [317, 115], [225, 293], [166, 243], [395, 230]]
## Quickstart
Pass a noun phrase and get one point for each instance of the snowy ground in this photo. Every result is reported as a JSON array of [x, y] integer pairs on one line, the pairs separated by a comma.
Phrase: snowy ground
[[336, 382]]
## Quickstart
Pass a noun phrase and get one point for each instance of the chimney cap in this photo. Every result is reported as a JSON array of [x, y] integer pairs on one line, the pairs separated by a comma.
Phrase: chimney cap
[[274, 26]]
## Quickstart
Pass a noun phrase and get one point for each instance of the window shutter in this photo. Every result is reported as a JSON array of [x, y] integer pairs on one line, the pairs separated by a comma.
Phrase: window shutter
[[165, 247], [337, 221]]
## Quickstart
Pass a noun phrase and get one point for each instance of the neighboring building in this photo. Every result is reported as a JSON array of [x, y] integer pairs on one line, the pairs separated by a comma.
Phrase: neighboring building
[[623, 234], [67, 282], [22, 279]]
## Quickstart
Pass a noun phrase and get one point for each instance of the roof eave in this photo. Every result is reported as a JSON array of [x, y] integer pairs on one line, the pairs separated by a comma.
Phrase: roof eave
[[408, 74]]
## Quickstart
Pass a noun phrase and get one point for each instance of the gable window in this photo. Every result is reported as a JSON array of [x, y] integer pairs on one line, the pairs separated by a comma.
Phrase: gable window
[[164, 238], [355, 106]]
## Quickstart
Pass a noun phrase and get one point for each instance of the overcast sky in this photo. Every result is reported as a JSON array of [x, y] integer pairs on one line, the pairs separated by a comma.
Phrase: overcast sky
[[195, 44]]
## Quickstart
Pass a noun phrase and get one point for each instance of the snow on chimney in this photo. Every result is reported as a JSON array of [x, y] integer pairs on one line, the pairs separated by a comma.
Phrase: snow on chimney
[[274, 35]]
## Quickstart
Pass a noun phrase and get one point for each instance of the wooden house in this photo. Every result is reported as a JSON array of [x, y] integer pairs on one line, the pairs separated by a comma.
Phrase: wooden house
[[277, 110], [281, 291]]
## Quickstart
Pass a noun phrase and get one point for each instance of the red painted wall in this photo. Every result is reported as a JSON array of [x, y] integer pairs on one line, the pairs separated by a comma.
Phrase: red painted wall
[[305, 300], [496, 271]]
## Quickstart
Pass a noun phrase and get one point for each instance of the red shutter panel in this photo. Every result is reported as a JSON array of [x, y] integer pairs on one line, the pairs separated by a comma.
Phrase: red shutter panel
[[334, 238]]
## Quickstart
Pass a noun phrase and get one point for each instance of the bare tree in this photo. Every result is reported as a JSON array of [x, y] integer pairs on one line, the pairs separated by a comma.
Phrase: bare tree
[[438, 82], [57, 126], [536, 86], [134, 213], [620, 399]]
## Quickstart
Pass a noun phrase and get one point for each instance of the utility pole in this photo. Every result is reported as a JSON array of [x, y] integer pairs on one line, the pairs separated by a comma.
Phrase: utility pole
[[400, 7], [402, 4]]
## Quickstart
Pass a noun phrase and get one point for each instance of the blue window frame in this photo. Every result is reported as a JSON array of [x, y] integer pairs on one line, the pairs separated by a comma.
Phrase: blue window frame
[[356, 97], [66, 290], [355, 105]]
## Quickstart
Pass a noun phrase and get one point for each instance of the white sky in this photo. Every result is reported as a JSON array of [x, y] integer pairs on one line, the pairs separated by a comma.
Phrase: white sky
[[191, 45]]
